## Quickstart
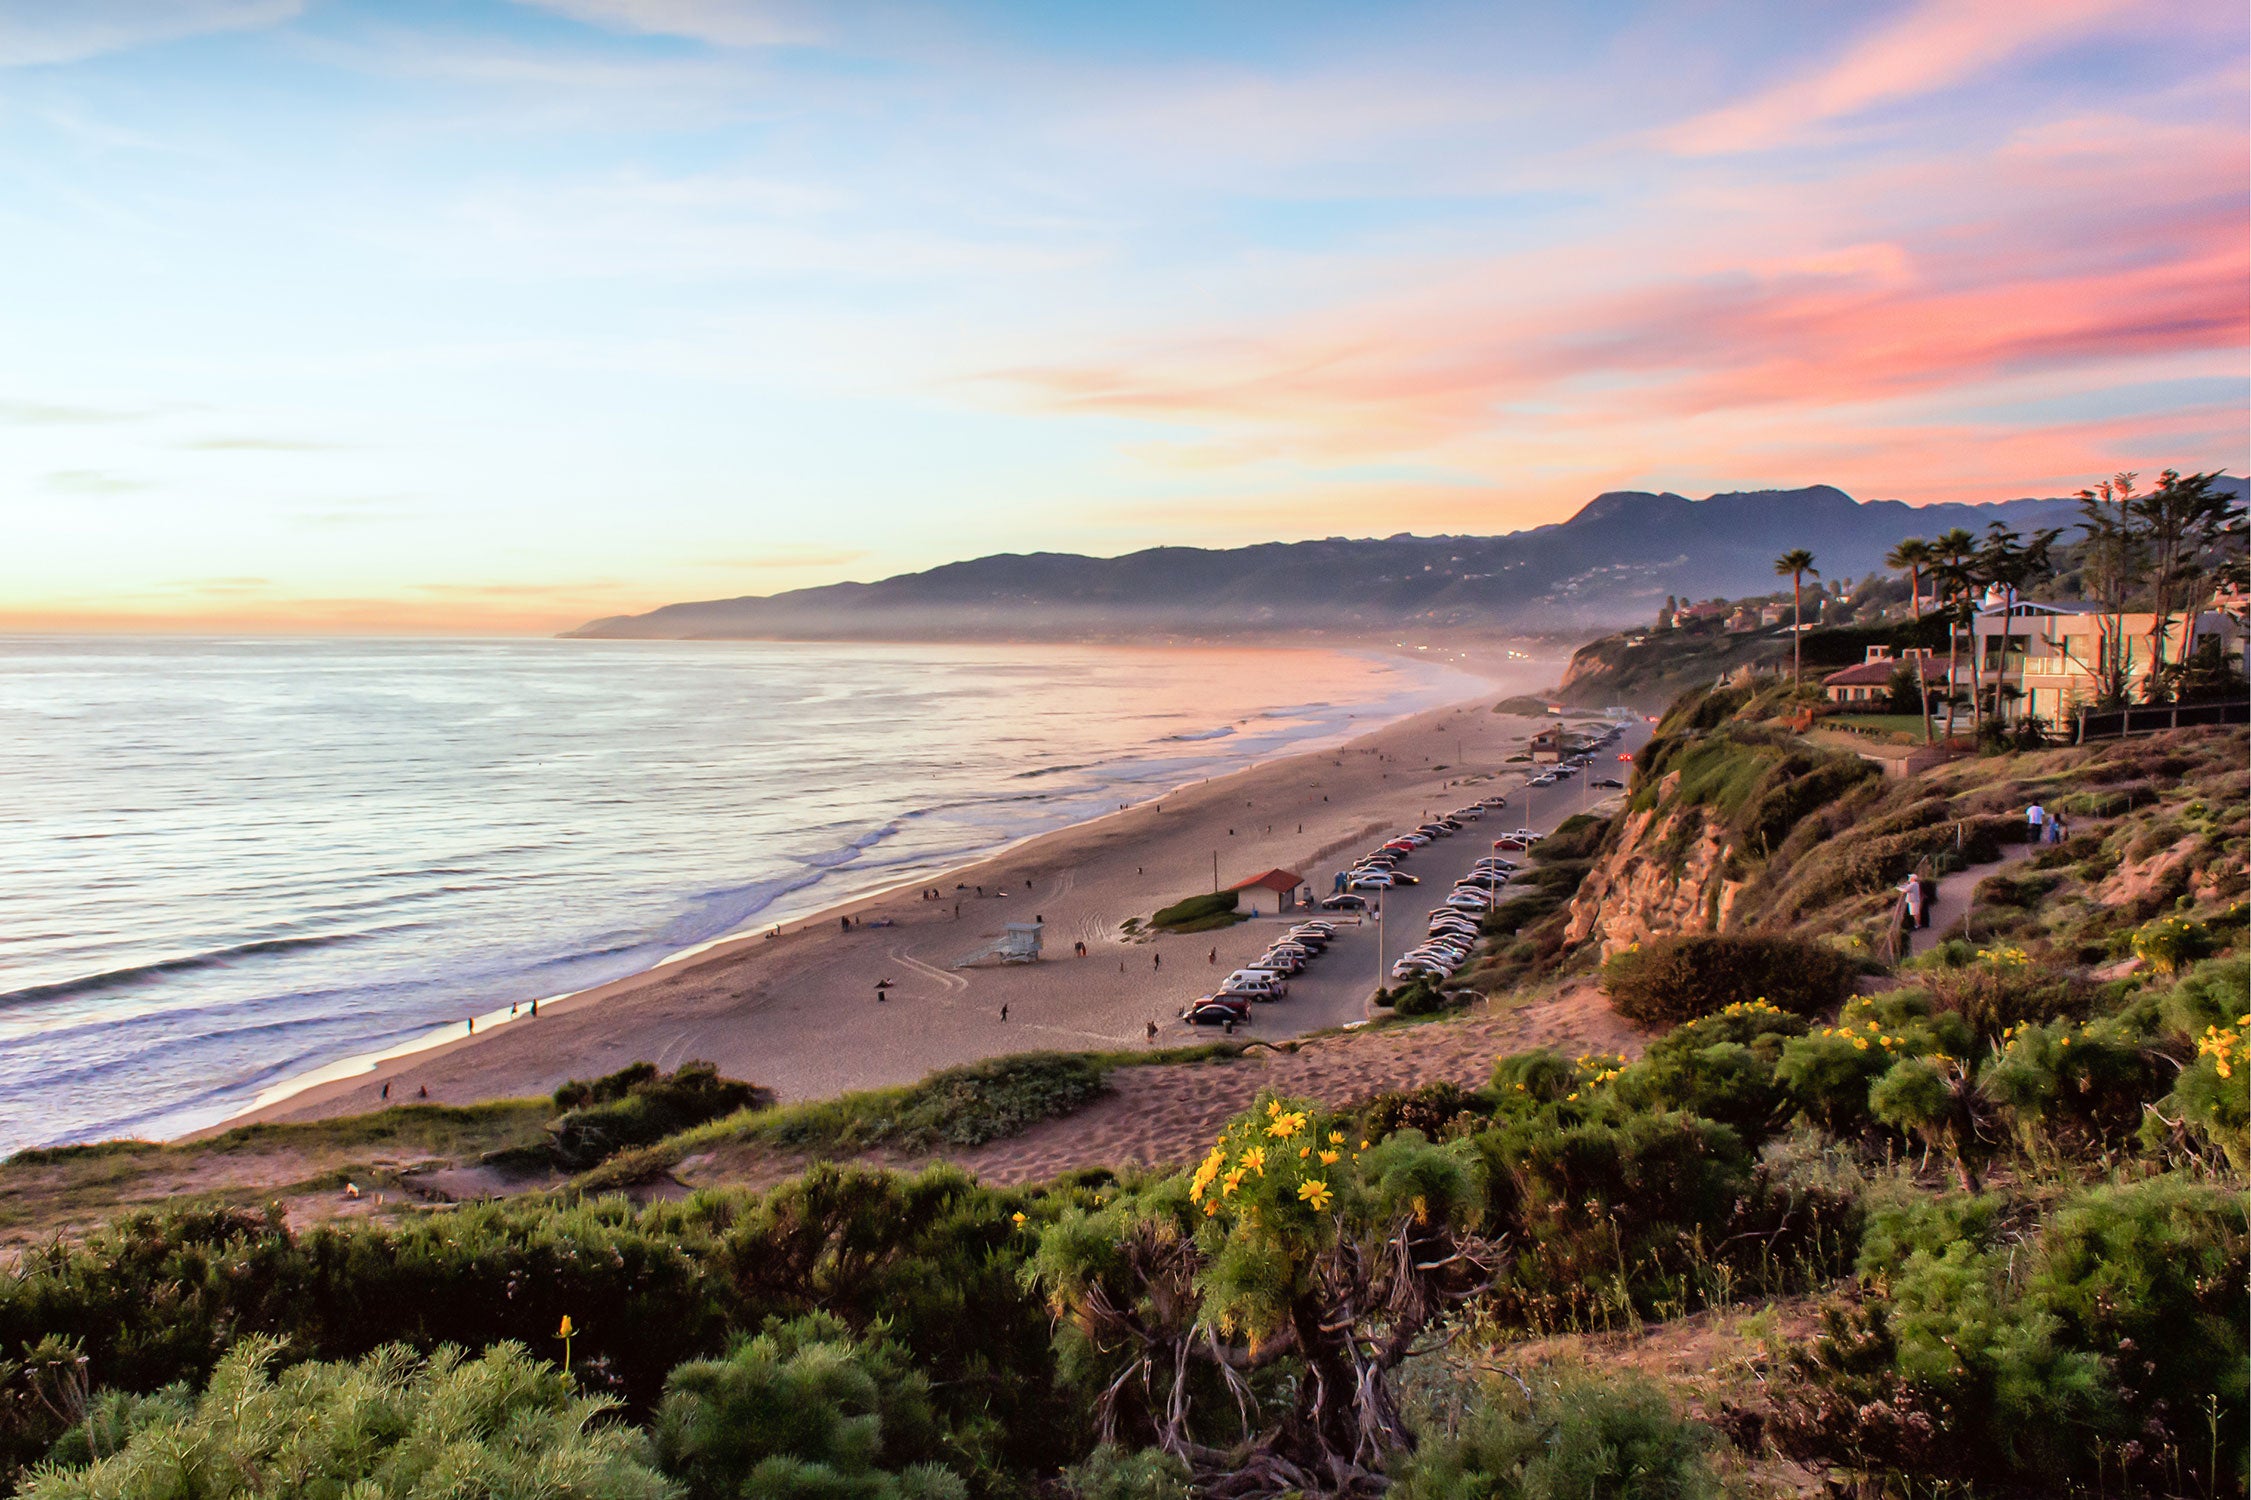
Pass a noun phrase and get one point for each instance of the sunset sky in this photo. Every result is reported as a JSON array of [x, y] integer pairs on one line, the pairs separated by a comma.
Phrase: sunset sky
[[465, 317]]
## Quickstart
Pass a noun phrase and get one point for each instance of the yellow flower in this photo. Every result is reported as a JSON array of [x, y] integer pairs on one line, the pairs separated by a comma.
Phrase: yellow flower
[[1314, 1191], [567, 1329], [1336, 1137], [1567, 1098], [1273, 1108], [1285, 1126], [1232, 1181], [1329, 1158], [1016, 1218], [1254, 1160], [1303, 1152], [1211, 1210]]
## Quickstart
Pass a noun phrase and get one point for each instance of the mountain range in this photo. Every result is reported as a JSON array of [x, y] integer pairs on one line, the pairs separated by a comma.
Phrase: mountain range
[[1610, 564]]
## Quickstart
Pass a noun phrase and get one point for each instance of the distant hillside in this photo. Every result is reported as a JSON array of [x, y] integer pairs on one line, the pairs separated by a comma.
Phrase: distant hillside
[[1613, 562]]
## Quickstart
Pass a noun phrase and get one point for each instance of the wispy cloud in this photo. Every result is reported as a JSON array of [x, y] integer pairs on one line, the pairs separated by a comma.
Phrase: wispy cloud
[[255, 445], [1935, 46], [61, 31], [92, 482], [49, 414], [723, 23]]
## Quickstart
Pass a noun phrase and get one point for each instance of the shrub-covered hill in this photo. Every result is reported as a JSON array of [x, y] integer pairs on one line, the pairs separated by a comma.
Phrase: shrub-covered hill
[[1969, 1224], [1737, 823]]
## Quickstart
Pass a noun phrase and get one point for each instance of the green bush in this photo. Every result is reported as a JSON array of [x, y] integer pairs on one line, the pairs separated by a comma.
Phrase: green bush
[[1676, 979], [1198, 913], [389, 1425], [1438, 1110], [1588, 1437], [804, 1409], [1828, 1073], [1114, 1473], [1720, 1066], [965, 1106], [637, 1106], [2109, 1351]]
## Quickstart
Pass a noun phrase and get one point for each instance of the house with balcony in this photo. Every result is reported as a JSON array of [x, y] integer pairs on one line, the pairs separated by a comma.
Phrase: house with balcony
[[2055, 659]]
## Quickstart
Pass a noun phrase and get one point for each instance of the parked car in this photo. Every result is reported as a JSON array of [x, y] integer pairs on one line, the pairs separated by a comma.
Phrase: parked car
[[1345, 902], [1525, 836], [1614, 784], [1492, 802], [1467, 901], [1545, 778], [1256, 984], [1496, 864], [1216, 1013], [1481, 881], [1369, 880]]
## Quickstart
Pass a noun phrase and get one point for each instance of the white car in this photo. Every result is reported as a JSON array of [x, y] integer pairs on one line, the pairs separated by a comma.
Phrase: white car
[[1370, 880], [1469, 814], [1525, 836], [1467, 901]]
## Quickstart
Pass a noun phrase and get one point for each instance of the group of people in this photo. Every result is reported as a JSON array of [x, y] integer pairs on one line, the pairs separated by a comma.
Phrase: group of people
[[2043, 826]]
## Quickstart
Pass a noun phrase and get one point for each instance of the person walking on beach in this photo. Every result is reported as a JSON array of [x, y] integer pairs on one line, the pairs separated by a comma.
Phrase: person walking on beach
[[386, 1089], [1004, 1012], [1152, 1031], [1156, 960], [1213, 958], [845, 923], [472, 1025]]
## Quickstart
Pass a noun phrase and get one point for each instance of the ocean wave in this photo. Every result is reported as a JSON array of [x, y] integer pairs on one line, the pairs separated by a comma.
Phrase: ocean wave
[[1222, 732], [131, 975]]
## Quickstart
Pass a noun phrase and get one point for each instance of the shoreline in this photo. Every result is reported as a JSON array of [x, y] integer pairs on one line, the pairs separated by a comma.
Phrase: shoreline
[[725, 972]]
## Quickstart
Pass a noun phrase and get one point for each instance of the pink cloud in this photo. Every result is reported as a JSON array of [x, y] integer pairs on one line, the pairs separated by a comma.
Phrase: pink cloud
[[1938, 44]]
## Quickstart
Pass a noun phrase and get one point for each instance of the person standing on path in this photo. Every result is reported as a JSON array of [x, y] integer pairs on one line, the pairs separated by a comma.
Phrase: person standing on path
[[1004, 1012], [2035, 823]]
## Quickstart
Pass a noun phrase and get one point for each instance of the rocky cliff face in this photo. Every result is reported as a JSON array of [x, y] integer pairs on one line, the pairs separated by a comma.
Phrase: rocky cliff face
[[1665, 875]]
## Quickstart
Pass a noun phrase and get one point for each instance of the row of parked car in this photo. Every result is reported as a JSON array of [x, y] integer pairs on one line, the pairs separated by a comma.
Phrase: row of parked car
[[1454, 932], [1378, 870], [1267, 978], [1583, 762]]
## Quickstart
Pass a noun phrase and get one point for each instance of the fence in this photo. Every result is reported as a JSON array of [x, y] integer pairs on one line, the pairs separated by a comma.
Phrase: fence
[[2110, 724]]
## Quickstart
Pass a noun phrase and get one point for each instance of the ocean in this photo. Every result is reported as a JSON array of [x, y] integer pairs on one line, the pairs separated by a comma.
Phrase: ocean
[[227, 863]]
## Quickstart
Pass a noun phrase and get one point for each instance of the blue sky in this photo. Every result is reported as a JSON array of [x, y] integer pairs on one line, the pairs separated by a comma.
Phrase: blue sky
[[500, 316]]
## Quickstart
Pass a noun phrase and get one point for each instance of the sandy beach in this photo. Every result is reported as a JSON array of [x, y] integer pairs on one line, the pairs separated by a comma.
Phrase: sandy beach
[[801, 1013]]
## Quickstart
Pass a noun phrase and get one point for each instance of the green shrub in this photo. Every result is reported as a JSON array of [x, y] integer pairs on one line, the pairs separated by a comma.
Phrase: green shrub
[[1720, 1066], [1523, 1082], [1439, 1110], [2074, 1087], [804, 1409], [2110, 1351], [1828, 1073], [1676, 979], [2171, 944], [389, 1425], [638, 1106], [965, 1106], [1587, 1437], [1198, 913], [1114, 1473], [2210, 1100]]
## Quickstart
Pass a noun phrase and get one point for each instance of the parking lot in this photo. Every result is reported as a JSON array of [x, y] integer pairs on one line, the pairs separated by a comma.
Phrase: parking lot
[[1334, 989]]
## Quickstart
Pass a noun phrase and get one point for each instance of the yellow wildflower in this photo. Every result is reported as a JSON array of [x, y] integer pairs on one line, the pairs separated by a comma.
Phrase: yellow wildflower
[[1314, 1191], [1254, 1160], [1329, 1158], [1016, 1218]]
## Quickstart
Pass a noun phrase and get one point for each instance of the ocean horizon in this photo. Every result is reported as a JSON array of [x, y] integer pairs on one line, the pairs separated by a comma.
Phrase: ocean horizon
[[227, 863]]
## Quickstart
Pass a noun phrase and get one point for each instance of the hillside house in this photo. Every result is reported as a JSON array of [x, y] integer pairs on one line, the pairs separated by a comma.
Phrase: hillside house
[[1868, 685], [2059, 656]]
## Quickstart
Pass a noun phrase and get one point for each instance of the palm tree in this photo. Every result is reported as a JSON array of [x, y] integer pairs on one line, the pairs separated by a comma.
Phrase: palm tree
[[1954, 576], [1911, 557], [1798, 564]]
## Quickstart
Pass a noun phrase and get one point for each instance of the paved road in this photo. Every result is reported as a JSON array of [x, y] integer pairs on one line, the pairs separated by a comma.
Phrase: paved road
[[1334, 989]]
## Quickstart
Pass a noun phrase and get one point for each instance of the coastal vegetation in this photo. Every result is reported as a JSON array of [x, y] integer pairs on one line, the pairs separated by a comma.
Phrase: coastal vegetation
[[1204, 913], [1966, 1219]]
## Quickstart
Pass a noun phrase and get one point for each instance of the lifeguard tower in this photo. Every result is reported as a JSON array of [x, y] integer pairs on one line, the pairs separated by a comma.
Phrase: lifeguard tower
[[1018, 943]]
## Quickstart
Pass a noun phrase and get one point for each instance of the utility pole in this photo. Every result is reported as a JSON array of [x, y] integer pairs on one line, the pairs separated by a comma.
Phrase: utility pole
[[1215, 872]]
